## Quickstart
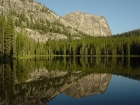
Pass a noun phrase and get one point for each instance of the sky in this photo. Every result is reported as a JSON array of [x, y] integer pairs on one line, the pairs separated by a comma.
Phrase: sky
[[121, 15]]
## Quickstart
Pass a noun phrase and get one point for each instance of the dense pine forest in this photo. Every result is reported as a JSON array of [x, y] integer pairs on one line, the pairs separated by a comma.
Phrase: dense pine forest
[[13, 44]]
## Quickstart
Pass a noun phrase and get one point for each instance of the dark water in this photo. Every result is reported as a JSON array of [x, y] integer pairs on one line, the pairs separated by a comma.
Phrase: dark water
[[71, 81]]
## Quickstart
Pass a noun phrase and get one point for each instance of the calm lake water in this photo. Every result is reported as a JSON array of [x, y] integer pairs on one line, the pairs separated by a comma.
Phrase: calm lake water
[[71, 81]]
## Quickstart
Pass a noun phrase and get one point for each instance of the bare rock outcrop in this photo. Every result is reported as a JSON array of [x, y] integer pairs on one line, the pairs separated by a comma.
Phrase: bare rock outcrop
[[88, 23]]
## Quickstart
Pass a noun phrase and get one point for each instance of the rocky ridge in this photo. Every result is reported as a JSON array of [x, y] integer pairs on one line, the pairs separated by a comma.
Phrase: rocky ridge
[[40, 23]]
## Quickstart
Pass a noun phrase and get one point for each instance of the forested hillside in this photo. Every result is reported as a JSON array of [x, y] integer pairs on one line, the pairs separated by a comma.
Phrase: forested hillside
[[129, 33], [21, 45], [37, 21], [21, 34]]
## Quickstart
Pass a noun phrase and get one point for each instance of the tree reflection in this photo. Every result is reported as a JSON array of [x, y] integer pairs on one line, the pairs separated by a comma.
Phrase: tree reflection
[[35, 81]]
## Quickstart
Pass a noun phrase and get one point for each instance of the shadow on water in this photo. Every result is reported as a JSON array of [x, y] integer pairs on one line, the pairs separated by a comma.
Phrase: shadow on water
[[36, 81]]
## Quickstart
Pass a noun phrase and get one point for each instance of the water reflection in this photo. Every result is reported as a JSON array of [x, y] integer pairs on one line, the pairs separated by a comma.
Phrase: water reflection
[[37, 81], [89, 85]]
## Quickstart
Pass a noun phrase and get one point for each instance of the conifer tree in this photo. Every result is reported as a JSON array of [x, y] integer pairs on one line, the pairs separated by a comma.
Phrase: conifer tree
[[2, 23], [9, 37]]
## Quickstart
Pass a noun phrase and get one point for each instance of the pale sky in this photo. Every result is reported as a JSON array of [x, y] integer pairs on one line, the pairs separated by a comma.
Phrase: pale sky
[[121, 15]]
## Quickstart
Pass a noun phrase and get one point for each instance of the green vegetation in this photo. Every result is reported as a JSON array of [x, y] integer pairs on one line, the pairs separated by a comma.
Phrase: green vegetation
[[128, 34], [9, 37], [65, 55], [18, 45], [22, 0], [97, 46], [2, 25], [28, 1]]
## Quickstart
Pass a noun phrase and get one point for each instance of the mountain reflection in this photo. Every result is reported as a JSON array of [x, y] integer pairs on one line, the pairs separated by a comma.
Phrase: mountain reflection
[[36, 81], [89, 85]]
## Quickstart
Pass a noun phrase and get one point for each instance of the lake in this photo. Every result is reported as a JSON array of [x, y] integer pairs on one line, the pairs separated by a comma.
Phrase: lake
[[71, 81]]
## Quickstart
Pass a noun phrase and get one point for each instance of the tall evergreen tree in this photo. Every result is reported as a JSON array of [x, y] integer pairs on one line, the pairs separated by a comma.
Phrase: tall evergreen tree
[[9, 37], [2, 23]]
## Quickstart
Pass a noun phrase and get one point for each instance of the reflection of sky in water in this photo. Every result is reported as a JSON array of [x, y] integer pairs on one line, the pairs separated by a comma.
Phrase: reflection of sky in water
[[120, 91]]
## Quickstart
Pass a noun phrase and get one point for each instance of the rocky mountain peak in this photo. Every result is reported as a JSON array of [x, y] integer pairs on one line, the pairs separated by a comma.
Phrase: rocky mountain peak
[[88, 23]]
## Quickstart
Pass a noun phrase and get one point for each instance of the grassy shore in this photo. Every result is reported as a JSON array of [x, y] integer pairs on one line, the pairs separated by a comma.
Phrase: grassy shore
[[42, 56], [47, 56]]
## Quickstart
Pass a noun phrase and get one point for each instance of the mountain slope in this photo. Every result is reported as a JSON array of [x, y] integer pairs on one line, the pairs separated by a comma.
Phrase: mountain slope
[[37, 20], [40, 23]]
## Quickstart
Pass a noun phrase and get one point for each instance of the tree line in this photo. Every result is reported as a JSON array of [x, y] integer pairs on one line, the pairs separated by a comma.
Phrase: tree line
[[13, 44], [97, 46]]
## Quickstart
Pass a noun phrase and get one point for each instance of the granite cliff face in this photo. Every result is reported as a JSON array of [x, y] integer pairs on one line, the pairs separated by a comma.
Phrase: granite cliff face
[[88, 23]]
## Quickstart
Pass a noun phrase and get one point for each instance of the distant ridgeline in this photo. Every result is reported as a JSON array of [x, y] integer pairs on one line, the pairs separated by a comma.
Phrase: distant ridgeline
[[128, 34], [21, 34]]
